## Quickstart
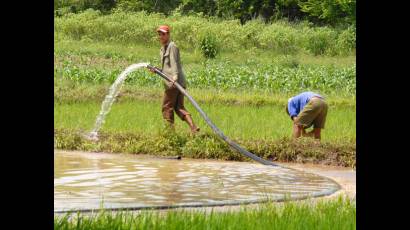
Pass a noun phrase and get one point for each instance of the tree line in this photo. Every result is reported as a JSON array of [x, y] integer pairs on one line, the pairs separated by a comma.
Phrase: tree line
[[322, 12]]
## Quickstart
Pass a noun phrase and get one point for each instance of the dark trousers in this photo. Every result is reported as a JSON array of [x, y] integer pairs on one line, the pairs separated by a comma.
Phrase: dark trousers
[[173, 101]]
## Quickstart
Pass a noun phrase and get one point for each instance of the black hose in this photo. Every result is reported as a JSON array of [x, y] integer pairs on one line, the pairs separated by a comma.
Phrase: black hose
[[209, 122], [283, 198]]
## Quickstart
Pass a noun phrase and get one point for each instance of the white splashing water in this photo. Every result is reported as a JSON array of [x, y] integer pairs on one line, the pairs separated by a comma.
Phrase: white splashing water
[[110, 98]]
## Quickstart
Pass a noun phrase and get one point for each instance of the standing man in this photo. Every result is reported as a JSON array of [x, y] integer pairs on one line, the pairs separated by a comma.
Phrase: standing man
[[171, 65], [305, 110]]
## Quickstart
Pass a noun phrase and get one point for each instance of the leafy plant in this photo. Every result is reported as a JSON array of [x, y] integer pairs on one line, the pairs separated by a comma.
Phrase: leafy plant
[[209, 46]]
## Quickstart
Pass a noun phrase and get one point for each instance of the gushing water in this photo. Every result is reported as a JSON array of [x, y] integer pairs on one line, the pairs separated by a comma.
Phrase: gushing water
[[110, 98]]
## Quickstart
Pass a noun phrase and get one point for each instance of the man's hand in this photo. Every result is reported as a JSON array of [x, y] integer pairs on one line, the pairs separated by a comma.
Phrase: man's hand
[[171, 84], [151, 70], [297, 130]]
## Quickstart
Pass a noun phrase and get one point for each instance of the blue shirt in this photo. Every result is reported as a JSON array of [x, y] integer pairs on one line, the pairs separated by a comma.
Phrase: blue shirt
[[298, 102]]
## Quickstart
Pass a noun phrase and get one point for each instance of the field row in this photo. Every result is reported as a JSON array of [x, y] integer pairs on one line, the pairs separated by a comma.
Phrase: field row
[[249, 76], [241, 122]]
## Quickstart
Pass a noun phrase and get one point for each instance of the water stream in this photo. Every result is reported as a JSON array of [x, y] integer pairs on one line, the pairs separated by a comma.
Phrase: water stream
[[110, 98]]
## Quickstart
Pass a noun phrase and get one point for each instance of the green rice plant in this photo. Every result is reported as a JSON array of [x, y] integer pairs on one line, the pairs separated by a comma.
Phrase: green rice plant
[[338, 213], [260, 122]]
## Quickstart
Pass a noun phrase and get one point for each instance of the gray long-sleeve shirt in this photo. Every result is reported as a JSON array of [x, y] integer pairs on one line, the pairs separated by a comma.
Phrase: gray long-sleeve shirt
[[171, 63]]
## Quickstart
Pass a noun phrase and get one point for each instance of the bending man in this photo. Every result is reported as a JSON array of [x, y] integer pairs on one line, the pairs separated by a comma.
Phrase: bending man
[[305, 110]]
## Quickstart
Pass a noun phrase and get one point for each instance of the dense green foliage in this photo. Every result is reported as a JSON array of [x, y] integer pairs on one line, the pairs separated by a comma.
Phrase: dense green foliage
[[319, 11], [189, 31], [209, 47], [330, 11]]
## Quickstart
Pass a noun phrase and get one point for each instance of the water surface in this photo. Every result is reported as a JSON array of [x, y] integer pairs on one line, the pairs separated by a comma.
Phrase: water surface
[[96, 180]]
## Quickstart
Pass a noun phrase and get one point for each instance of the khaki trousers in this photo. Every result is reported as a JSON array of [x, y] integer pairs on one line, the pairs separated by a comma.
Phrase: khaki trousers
[[173, 101]]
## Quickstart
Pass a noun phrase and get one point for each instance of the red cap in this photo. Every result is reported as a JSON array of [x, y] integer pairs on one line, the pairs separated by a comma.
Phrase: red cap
[[164, 29]]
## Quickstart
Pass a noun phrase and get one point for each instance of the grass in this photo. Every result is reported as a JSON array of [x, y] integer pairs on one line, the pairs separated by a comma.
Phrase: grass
[[208, 146], [333, 214], [238, 122], [71, 92], [117, 53]]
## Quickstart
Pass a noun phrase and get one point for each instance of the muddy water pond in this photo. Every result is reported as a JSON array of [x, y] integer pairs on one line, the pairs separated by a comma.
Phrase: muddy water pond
[[101, 180]]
